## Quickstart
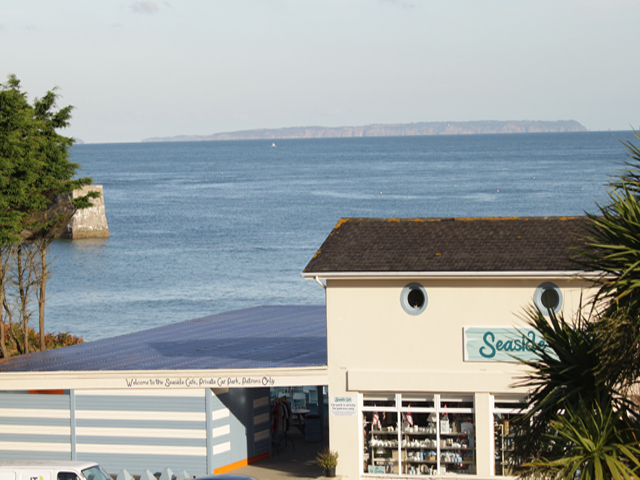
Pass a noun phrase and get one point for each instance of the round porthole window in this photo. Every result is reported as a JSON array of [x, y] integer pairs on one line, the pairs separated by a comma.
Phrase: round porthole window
[[414, 299], [548, 298]]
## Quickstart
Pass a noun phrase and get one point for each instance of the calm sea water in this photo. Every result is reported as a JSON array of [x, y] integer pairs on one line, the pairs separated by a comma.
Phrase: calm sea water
[[207, 227]]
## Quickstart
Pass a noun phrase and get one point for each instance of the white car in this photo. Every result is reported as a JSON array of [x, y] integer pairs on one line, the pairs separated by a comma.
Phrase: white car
[[52, 470]]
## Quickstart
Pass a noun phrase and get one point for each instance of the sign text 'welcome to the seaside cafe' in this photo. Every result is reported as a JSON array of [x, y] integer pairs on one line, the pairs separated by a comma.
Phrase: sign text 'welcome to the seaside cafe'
[[202, 382], [501, 344]]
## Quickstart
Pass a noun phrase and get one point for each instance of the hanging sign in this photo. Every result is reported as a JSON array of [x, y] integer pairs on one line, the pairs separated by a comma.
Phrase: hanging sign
[[501, 344]]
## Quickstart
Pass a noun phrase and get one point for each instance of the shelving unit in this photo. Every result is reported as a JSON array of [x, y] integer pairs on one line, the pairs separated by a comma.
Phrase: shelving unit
[[428, 452], [421, 454], [382, 445]]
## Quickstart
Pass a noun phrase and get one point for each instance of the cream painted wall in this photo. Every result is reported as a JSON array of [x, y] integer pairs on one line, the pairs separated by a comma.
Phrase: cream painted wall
[[374, 345]]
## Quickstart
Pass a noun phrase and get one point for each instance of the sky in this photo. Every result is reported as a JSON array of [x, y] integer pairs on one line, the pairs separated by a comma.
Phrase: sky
[[139, 69]]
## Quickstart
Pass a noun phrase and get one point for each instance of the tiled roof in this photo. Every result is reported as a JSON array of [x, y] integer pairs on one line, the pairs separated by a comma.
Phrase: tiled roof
[[516, 244], [259, 337]]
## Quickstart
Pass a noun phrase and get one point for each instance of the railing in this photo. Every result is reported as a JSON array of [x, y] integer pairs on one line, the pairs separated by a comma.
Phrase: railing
[[167, 474]]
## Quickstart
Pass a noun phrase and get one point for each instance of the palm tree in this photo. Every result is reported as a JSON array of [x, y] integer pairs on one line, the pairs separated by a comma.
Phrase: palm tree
[[578, 423], [592, 442]]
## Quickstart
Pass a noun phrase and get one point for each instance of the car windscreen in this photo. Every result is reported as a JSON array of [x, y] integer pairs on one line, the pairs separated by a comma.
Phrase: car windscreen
[[95, 473]]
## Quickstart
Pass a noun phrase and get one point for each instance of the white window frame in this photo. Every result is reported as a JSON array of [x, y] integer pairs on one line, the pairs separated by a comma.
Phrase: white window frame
[[503, 398], [438, 399]]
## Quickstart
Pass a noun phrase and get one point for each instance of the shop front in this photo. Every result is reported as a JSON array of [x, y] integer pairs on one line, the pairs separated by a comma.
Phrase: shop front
[[424, 342]]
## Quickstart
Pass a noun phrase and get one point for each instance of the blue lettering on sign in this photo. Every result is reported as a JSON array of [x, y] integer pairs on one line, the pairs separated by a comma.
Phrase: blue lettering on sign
[[502, 344], [488, 353]]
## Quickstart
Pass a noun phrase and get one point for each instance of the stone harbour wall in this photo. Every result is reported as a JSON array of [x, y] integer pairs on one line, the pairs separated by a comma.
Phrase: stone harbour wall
[[89, 222]]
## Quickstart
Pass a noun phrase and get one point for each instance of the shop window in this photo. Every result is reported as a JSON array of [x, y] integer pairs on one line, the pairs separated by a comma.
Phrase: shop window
[[548, 298], [429, 438], [380, 401], [504, 412], [452, 403], [508, 404], [416, 401], [381, 454], [414, 299], [457, 435]]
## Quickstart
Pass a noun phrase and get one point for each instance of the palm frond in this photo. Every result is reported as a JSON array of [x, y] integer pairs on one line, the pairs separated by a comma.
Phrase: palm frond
[[594, 440]]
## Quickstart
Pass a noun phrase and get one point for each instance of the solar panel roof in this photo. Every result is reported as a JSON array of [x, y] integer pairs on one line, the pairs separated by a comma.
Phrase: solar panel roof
[[259, 337]]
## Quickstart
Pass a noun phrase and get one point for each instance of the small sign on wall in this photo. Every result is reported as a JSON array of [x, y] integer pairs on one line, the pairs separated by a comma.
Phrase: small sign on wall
[[501, 344], [343, 406]]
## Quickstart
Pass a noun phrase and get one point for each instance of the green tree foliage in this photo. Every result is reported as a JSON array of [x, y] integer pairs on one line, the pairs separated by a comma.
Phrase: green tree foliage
[[579, 423], [34, 164], [591, 442], [35, 174], [564, 372]]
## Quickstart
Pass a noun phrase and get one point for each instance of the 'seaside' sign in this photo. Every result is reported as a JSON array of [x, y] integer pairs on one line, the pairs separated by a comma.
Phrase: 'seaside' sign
[[501, 344]]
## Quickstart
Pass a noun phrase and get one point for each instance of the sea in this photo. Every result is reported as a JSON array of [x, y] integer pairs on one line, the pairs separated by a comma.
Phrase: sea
[[199, 228]]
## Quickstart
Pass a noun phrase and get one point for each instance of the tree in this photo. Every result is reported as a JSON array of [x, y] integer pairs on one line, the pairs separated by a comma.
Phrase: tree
[[35, 170], [591, 442], [578, 418]]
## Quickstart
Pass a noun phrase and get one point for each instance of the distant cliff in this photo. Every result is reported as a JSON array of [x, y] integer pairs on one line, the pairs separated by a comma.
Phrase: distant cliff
[[386, 130]]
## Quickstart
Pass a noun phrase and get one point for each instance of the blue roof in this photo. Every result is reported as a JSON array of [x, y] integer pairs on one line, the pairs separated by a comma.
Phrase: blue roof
[[259, 337]]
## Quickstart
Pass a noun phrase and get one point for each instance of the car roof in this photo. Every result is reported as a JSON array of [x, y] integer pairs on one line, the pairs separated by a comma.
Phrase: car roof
[[20, 464]]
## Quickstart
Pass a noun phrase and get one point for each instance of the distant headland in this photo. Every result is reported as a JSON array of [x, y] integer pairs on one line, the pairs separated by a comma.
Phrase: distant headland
[[388, 130]]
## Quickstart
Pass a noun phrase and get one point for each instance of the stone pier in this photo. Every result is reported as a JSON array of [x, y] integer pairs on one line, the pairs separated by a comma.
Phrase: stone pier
[[88, 222]]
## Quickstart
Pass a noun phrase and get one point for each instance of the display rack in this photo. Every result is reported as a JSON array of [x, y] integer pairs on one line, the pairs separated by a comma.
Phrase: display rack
[[428, 451], [383, 447]]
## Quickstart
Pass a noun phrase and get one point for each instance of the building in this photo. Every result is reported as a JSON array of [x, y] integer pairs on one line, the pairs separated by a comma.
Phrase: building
[[416, 344], [191, 396], [423, 319]]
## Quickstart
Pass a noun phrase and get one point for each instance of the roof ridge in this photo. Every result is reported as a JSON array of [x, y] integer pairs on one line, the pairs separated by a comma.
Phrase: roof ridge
[[461, 218]]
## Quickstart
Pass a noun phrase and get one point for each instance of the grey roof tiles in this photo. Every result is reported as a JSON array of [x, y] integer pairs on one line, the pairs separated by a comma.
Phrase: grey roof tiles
[[449, 245]]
